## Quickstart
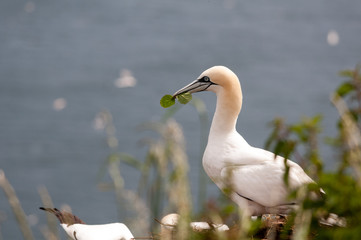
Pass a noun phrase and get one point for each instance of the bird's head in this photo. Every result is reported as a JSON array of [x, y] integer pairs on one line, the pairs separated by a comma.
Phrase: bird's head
[[213, 79]]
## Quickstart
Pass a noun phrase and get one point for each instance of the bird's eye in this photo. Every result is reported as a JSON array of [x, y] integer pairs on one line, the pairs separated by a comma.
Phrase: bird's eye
[[206, 79]]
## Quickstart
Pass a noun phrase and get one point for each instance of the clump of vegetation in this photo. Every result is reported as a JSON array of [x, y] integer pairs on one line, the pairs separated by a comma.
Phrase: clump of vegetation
[[342, 185]]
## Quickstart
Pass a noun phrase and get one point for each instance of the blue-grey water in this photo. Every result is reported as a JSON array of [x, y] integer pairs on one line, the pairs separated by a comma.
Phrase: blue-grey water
[[287, 55]]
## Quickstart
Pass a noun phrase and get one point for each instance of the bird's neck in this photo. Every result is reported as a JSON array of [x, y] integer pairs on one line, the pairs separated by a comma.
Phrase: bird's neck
[[228, 107]]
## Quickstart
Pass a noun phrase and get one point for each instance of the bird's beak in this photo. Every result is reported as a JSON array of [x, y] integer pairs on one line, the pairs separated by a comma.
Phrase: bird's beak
[[195, 86]]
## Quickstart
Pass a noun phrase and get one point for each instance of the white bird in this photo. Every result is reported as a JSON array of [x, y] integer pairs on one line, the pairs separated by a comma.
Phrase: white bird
[[170, 222], [78, 230], [252, 177]]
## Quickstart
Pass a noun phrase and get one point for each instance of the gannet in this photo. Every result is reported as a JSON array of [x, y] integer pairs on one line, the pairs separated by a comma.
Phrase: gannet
[[170, 222], [252, 177], [78, 230]]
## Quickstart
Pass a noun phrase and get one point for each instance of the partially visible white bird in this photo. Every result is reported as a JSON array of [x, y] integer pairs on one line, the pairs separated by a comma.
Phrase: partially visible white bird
[[78, 230], [252, 177], [170, 222]]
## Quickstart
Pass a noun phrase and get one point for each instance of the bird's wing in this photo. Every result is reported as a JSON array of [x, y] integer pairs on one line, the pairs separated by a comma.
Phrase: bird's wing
[[263, 182]]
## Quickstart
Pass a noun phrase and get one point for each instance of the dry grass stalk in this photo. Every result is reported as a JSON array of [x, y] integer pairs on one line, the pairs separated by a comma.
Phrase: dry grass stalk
[[16, 207], [51, 232]]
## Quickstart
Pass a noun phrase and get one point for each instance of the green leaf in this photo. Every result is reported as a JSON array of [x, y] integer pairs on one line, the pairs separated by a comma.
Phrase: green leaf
[[184, 98], [167, 101], [345, 88]]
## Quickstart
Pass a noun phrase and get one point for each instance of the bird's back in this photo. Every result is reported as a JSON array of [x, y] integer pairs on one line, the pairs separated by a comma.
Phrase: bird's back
[[111, 231]]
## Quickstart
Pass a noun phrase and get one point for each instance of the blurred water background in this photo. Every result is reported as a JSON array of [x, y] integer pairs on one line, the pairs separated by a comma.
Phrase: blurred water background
[[62, 62]]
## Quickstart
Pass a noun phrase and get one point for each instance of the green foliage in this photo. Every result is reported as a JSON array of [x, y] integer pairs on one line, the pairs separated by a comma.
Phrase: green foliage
[[343, 186], [169, 100], [298, 141], [352, 86], [184, 98], [345, 89]]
